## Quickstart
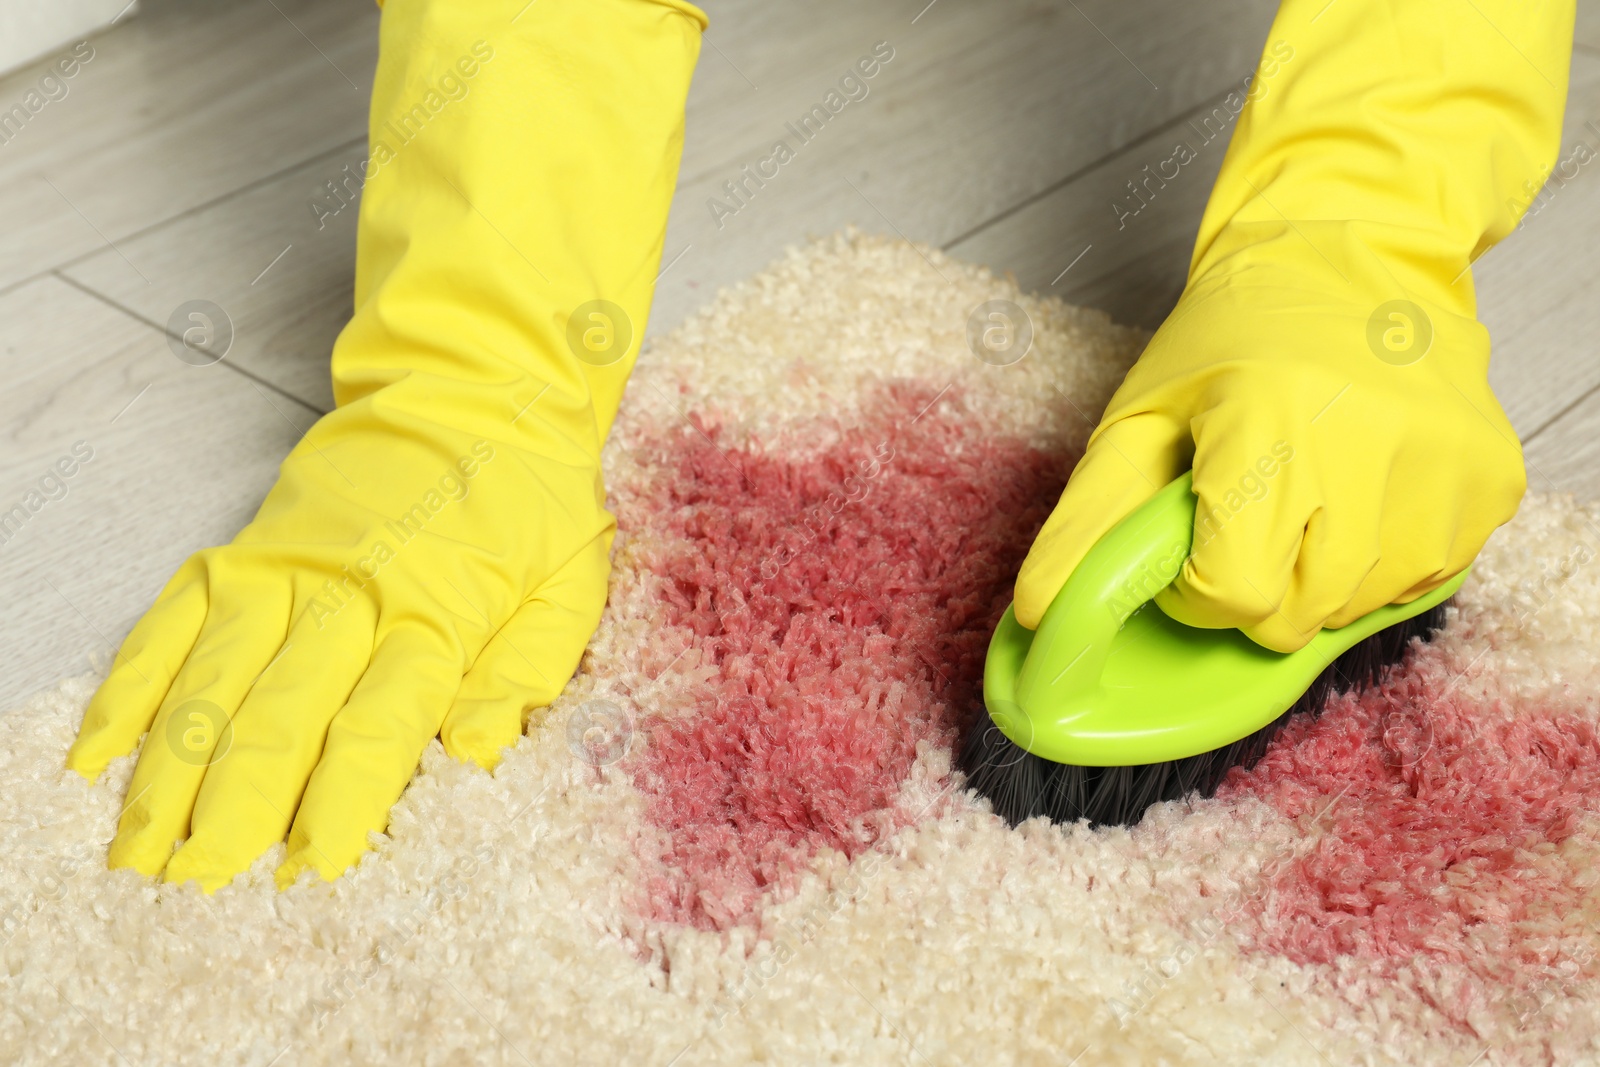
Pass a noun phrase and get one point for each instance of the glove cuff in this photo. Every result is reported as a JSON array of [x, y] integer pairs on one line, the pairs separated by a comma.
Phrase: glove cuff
[[523, 160], [1413, 129]]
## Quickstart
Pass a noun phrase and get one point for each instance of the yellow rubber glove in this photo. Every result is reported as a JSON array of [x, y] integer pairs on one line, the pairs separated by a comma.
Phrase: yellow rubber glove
[[1324, 371], [434, 556]]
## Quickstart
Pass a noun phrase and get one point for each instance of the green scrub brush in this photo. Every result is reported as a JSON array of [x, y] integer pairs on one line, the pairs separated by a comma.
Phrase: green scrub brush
[[1112, 706]]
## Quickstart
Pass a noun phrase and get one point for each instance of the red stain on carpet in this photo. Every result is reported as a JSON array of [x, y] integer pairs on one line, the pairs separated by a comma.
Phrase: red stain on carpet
[[1444, 843], [847, 601]]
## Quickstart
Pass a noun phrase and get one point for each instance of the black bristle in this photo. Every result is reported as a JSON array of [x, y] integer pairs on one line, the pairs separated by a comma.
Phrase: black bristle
[[1021, 785]]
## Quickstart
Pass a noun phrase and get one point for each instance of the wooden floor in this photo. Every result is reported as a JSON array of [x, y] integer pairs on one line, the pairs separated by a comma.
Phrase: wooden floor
[[180, 164]]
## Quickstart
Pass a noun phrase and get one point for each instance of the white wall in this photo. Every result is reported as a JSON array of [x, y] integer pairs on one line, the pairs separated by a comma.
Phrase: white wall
[[32, 28]]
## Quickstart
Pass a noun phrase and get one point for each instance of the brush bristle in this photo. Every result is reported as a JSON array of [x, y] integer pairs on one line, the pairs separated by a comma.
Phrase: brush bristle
[[1021, 785]]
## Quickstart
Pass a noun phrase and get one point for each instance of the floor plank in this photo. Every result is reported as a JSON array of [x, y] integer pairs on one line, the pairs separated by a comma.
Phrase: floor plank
[[1095, 242], [284, 276], [181, 456], [1141, 242], [1538, 291], [763, 65], [1588, 30], [1565, 456], [181, 104], [982, 108]]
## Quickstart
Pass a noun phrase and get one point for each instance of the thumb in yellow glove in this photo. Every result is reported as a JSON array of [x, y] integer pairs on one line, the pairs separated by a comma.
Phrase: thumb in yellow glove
[[1324, 372], [434, 556]]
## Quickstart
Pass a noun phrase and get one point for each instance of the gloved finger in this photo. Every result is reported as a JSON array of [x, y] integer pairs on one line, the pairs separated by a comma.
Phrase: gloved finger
[[1125, 464], [530, 660], [1421, 550], [248, 799], [373, 746], [1339, 554], [1386, 583], [244, 629], [1252, 505], [1428, 539], [126, 702]]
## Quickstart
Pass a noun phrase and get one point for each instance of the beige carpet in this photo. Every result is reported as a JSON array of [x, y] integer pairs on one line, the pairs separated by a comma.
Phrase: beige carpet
[[737, 838]]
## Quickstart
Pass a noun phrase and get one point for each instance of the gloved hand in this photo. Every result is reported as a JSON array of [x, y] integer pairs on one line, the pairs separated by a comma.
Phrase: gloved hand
[[1324, 372], [434, 556]]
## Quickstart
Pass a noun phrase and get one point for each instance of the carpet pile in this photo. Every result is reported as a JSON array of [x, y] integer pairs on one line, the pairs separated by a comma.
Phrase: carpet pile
[[737, 837]]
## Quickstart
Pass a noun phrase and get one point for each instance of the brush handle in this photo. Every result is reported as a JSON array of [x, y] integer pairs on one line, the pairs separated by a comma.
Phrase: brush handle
[[1135, 560], [1105, 684]]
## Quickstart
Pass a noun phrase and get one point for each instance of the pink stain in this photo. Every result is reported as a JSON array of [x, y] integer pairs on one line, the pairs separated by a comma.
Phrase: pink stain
[[847, 601], [1443, 845]]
